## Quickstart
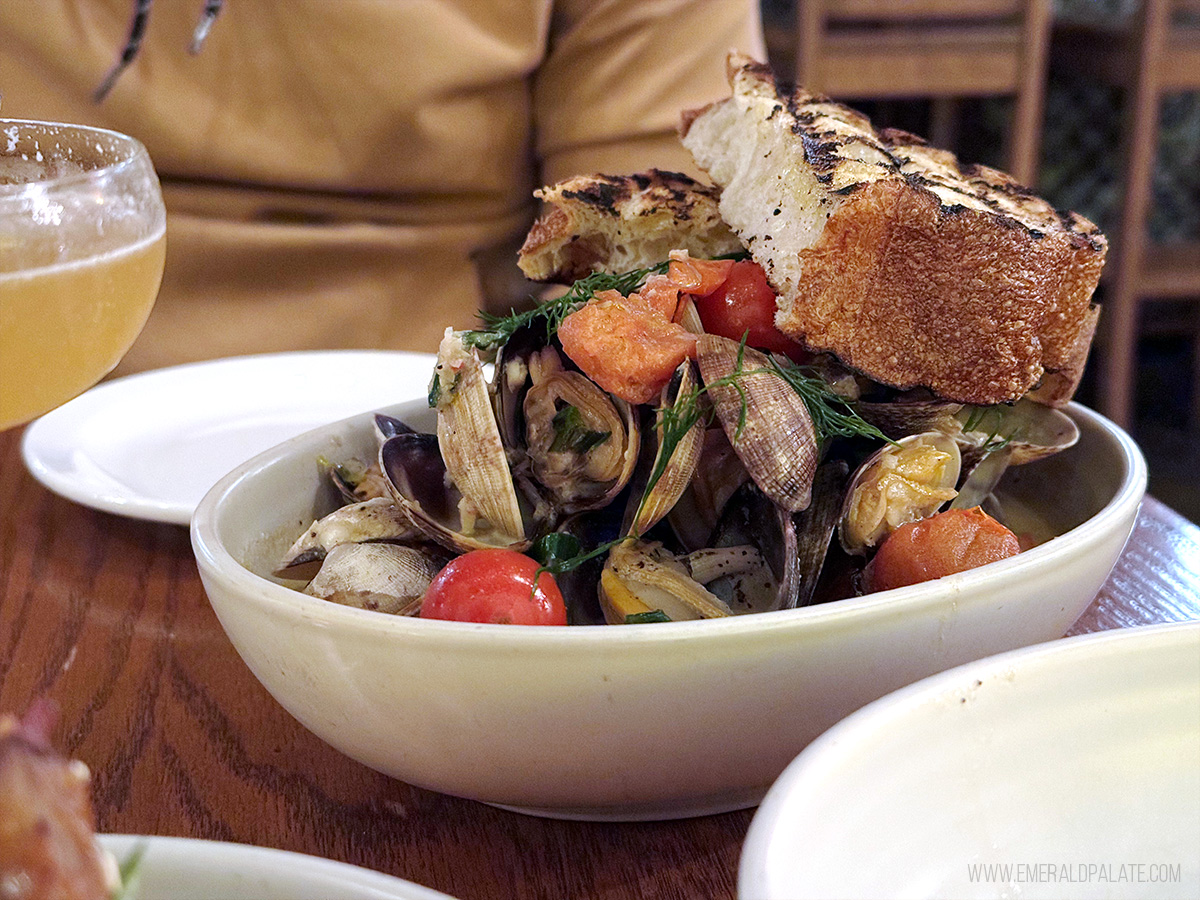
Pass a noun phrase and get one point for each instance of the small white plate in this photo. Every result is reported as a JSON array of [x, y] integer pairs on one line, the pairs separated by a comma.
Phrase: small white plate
[[1067, 769], [150, 445], [186, 869]]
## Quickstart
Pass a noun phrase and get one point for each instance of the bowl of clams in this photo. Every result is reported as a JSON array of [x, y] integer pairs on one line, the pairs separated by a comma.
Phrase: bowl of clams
[[526, 590]]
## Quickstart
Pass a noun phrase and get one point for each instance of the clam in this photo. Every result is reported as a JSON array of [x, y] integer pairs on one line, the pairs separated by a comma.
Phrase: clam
[[581, 443], [766, 421], [419, 482], [357, 480], [641, 577], [378, 519], [390, 578], [899, 483], [1029, 430], [470, 444], [719, 473], [909, 414], [755, 541], [678, 439], [815, 526]]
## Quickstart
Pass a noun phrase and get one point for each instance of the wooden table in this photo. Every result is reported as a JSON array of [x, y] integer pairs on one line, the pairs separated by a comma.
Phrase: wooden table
[[107, 616]]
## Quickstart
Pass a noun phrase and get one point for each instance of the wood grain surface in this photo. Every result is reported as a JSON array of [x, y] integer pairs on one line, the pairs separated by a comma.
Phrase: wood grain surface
[[106, 616]]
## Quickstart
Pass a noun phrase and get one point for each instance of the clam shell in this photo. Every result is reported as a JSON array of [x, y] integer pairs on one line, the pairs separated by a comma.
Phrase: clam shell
[[576, 479], [650, 502], [469, 439], [390, 578], [416, 477], [641, 576], [766, 421], [898, 483], [378, 519]]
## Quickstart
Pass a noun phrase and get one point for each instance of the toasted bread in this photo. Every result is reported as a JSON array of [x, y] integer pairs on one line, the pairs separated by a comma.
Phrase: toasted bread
[[908, 266], [618, 223]]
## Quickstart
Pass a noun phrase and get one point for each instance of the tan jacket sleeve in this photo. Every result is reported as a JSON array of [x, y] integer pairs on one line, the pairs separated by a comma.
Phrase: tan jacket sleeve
[[617, 74]]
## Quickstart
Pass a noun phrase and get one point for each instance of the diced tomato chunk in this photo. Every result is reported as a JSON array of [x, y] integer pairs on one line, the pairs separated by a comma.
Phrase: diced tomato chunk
[[661, 294], [625, 345]]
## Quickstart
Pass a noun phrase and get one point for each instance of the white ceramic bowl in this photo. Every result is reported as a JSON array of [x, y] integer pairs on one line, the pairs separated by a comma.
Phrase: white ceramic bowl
[[622, 723], [1069, 769]]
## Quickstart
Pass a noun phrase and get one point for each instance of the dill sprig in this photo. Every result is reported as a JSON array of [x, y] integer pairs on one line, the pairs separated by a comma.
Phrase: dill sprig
[[977, 418], [498, 329], [833, 415]]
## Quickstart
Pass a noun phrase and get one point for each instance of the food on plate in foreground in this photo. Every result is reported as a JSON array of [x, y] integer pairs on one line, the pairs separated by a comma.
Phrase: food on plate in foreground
[[849, 334], [48, 848]]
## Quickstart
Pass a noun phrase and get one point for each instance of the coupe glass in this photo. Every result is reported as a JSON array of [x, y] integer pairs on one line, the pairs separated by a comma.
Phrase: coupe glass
[[82, 242]]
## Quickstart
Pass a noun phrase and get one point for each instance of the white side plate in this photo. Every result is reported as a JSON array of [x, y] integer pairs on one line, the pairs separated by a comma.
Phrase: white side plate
[[150, 445], [186, 869], [1067, 769]]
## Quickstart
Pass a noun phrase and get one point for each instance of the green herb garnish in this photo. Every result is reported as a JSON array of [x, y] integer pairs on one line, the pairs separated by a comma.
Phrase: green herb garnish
[[571, 434], [833, 416], [128, 871], [655, 615]]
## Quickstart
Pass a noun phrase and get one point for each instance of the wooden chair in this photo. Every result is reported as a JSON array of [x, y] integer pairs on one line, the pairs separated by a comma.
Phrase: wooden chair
[[1156, 54], [937, 49]]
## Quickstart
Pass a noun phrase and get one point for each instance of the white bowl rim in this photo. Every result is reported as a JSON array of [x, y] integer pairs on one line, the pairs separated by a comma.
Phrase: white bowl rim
[[808, 771], [212, 555]]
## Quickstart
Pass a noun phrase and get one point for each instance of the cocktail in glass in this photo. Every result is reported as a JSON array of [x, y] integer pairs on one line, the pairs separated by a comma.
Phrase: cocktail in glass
[[82, 244]]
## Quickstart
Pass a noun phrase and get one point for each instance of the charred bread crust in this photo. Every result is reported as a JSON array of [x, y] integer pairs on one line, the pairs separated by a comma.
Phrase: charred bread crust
[[618, 223], [908, 266]]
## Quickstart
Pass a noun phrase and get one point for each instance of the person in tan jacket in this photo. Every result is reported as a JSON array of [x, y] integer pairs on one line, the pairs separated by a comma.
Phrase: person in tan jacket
[[359, 173]]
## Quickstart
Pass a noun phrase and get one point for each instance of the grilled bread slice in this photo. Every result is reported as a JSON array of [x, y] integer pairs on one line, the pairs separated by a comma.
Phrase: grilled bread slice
[[909, 267], [618, 223]]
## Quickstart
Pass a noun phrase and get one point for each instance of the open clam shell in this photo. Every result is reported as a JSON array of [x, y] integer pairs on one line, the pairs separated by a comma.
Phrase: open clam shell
[[581, 442], [378, 519], [641, 577], [469, 440], [769, 578], [899, 483], [417, 478], [676, 452]]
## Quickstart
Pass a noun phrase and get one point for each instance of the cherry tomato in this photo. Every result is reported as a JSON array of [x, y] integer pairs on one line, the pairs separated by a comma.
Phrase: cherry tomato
[[745, 305], [942, 544], [495, 586]]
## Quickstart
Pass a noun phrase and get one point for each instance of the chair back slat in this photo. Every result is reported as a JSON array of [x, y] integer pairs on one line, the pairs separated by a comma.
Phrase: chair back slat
[[893, 11]]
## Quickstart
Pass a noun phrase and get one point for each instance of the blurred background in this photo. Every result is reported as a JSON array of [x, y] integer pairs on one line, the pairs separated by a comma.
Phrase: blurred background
[[1094, 103]]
